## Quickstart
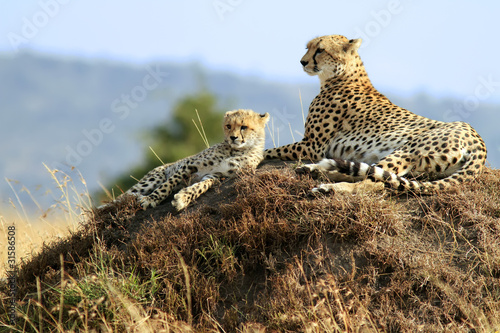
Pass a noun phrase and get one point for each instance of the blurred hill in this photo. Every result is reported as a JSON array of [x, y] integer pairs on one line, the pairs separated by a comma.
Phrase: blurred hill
[[92, 114]]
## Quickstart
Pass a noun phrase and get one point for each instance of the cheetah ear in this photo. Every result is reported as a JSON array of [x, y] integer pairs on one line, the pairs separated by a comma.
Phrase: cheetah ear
[[264, 117], [228, 113], [352, 45]]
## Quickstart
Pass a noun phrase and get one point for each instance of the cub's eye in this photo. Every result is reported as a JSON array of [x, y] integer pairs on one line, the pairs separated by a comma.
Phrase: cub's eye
[[228, 126], [319, 50], [244, 127]]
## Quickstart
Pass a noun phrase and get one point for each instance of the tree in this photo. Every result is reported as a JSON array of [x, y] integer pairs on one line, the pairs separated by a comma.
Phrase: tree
[[177, 137]]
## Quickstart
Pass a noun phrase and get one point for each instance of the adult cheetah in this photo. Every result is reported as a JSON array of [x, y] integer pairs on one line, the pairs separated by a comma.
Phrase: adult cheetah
[[357, 132]]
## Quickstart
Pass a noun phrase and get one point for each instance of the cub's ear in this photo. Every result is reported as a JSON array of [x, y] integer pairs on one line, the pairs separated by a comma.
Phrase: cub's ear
[[264, 117], [228, 113], [352, 45]]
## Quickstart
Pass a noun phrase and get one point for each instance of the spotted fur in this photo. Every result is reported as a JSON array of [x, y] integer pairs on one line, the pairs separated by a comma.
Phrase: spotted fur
[[242, 148], [364, 135]]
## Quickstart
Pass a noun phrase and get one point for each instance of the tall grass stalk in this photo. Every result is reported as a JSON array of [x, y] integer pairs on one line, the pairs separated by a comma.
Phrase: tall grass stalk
[[202, 131], [156, 155]]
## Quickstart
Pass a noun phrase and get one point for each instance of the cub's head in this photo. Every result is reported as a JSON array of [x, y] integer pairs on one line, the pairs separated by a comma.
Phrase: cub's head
[[330, 56], [245, 128]]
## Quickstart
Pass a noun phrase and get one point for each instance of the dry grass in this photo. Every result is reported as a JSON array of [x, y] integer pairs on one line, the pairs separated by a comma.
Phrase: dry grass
[[262, 255], [31, 234]]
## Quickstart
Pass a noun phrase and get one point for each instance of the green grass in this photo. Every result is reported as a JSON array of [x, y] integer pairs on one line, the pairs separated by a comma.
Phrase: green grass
[[263, 255]]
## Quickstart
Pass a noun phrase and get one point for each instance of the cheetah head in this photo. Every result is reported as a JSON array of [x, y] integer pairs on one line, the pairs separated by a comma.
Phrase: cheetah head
[[244, 128], [329, 56]]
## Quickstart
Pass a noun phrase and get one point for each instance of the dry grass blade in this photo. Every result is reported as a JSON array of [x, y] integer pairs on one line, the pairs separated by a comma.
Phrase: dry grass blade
[[156, 155], [202, 131], [18, 200], [63, 285], [188, 286], [40, 304]]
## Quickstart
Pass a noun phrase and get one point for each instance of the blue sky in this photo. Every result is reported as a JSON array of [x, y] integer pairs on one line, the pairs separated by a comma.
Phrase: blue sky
[[443, 47]]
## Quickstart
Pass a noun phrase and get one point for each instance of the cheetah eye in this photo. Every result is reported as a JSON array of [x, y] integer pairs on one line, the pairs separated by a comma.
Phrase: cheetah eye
[[228, 126], [319, 50], [244, 127]]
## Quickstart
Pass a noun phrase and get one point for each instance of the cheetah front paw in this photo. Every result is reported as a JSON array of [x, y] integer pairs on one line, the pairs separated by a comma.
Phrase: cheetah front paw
[[147, 202], [334, 188], [180, 201], [323, 188]]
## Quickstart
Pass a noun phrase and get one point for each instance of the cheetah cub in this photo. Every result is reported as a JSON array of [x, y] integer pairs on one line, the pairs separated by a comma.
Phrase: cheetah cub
[[242, 148]]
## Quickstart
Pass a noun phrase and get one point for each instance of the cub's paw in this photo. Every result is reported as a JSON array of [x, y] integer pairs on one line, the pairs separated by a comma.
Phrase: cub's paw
[[147, 202], [181, 201]]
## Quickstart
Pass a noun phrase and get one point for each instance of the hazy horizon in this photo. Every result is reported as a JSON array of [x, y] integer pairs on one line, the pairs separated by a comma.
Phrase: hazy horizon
[[445, 48]]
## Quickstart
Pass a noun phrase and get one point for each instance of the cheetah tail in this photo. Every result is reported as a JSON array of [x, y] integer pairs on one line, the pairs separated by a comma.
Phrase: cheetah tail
[[394, 182]]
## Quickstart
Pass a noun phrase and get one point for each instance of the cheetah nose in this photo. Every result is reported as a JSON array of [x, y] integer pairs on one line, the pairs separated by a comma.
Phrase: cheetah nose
[[233, 137], [304, 62]]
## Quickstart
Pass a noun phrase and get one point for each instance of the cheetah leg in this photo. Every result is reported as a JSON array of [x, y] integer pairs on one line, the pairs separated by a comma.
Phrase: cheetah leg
[[145, 186], [349, 177], [323, 167], [299, 150], [191, 193], [161, 192], [351, 188], [150, 181]]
